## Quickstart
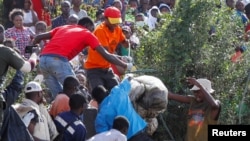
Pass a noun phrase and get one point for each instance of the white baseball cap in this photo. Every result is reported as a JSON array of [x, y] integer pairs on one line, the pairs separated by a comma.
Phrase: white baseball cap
[[32, 86], [206, 84]]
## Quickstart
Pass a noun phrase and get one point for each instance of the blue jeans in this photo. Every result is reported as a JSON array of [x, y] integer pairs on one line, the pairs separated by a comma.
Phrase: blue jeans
[[55, 69]]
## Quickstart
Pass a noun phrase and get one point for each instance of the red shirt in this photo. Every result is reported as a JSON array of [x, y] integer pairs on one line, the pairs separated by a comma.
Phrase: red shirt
[[69, 40]]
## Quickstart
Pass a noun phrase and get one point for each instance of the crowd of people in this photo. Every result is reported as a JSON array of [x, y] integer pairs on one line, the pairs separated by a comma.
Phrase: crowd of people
[[83, 62]]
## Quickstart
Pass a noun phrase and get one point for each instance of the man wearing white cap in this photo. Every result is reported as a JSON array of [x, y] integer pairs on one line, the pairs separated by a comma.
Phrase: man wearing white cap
[[35, 115], [204, 109]]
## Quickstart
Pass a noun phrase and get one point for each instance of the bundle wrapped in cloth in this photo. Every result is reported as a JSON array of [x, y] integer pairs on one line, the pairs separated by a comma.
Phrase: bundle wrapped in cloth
[[150, 98]]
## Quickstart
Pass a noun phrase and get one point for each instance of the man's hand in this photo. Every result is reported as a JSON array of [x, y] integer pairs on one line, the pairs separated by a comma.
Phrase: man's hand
[[127, 59], [27, 118], [129, 66], [36, 50]]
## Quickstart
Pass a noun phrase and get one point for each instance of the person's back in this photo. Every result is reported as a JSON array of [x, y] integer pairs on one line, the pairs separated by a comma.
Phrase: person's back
[[70, 36], [118, 103], [76, 130], [60, 103], [117, 133]]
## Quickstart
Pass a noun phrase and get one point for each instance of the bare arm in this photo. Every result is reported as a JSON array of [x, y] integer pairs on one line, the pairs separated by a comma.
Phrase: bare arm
[[42, 36], [215, 104], [179, 98], [110, 57]]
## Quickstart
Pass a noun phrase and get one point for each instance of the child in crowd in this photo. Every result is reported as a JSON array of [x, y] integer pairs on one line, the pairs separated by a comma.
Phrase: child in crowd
[[41, 27]]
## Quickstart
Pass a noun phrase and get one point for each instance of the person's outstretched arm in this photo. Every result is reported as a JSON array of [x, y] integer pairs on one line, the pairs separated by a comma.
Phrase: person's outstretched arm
[[112, 58], [179, 98], [42, 36]]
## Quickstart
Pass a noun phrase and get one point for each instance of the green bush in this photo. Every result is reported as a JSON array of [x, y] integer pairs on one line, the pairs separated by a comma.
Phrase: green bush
[[183, 47]]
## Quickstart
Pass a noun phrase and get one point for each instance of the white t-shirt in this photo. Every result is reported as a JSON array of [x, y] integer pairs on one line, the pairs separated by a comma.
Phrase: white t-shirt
[[111, 135], [28, 18]]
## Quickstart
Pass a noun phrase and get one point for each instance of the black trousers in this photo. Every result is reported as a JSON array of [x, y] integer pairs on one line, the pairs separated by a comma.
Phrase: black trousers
[[141, 136]]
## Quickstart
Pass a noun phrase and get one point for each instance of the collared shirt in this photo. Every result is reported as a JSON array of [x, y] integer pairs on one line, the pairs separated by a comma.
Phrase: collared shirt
[[59, 21], [76, 131]]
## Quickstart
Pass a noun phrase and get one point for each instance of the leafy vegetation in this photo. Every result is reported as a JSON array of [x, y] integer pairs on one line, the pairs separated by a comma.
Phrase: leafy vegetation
[[183, 47]]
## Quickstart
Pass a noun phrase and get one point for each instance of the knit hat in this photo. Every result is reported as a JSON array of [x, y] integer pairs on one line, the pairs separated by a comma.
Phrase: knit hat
[[113, 14], [32, 87], [206, 84]]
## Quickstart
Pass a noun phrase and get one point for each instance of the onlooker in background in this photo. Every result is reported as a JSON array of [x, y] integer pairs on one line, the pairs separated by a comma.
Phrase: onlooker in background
[[131, 11], [140, 20], [239, 7], [107, 3], [144, 7], [124, 51], [76, 130], [204, 109], [73, 19], [99, 17], [9, 57], [153, 17], [65, 43], [21, 34], [230, 4], [8, 6], [41, 27], [109, 33], [171, 3], [62, 19], [164, 8], [117, 4], [34, 114], [116, 102], [76, 9], [42, 9], [60, 103], [30, 16], [117, 133], [247, 28]]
